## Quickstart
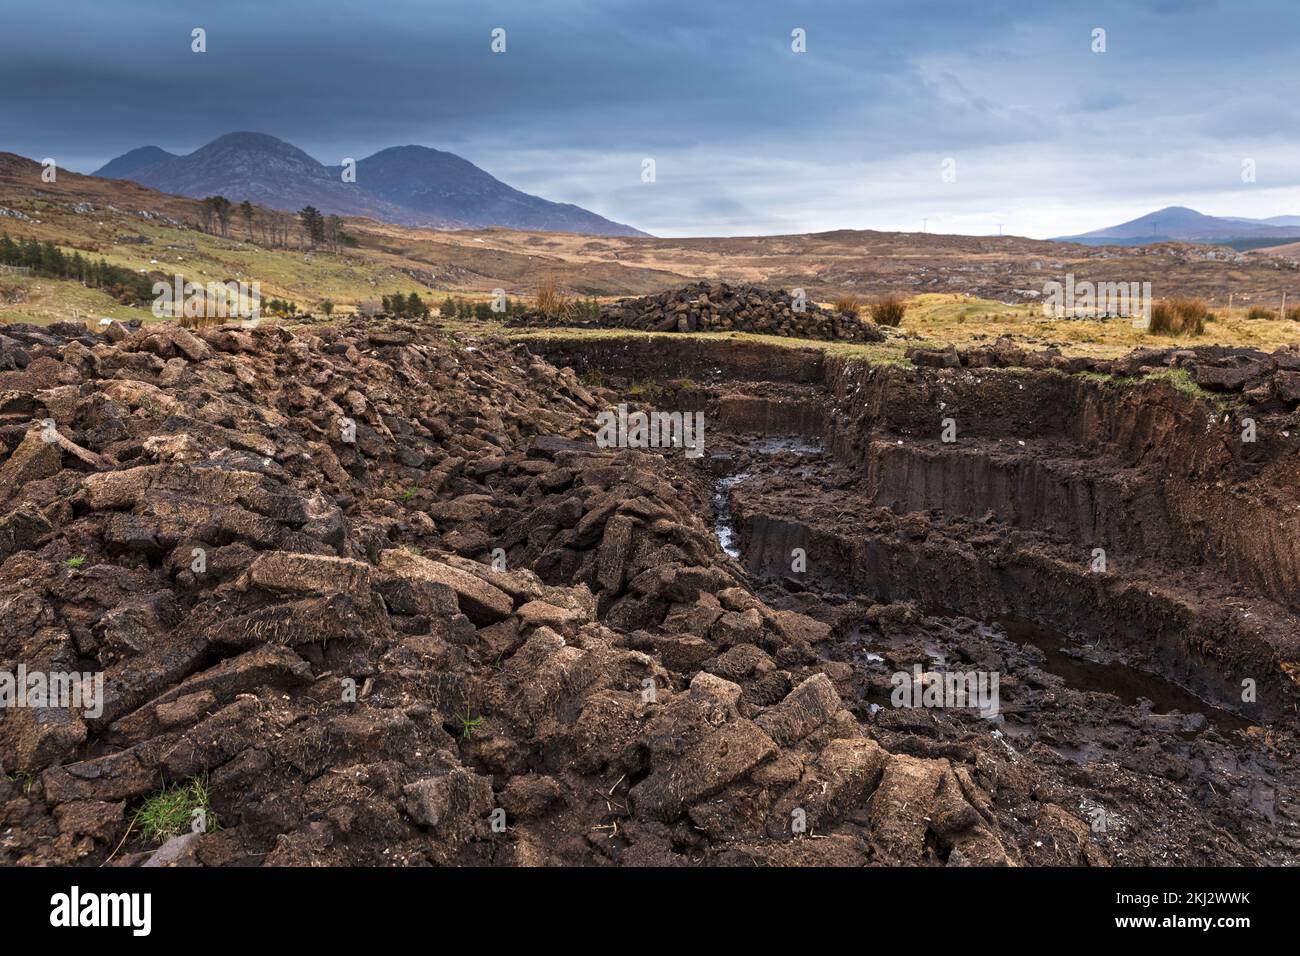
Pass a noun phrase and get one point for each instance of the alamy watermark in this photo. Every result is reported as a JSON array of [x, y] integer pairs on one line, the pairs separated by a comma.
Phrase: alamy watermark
[[133, 911], [946, 689], [1094, 300], [620, 428], [69, 690], [215, 300]]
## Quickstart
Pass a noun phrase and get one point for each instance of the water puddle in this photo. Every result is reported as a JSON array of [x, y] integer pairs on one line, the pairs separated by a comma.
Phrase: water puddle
[[1113, 677], [1063, 660], [724, 524], [792, 446]]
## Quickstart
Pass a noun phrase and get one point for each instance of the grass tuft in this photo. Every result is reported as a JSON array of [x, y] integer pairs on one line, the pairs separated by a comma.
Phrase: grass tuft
[[551, 302], [170, 811], [848, 304], [1182, 380], [25, 779], [468, 724], [889, 310], [1179, 317]]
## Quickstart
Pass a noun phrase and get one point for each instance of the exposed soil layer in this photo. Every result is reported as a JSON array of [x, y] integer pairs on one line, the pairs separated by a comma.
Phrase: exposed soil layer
[[384, 593]]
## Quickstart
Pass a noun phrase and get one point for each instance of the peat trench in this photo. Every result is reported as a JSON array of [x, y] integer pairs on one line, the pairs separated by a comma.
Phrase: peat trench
[[1084, 667], [1175, 659]]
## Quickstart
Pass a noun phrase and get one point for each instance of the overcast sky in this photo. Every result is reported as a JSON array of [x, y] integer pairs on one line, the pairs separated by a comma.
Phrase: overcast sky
[[1046, 136]]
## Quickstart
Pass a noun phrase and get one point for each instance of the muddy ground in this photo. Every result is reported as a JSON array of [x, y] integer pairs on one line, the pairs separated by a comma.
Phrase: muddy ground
[[379, 588]]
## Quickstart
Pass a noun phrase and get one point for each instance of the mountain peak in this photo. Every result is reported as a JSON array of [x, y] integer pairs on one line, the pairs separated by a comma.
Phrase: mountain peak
[[234, 147], [250, 140], [411, 149]]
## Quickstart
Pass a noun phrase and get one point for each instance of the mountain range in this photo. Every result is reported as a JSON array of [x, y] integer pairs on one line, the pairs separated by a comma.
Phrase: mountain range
[[404, 185], [1180, 224]]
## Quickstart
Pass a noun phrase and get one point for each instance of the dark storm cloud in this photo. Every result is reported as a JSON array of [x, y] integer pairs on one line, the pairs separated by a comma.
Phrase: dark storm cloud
[[849, 134]]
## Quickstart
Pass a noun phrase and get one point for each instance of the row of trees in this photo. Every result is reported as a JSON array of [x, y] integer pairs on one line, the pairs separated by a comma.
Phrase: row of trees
[[133, 288], [280, 307], [323, 230], [411, 306], [47, 259], [276, 228], [217, 209], [459, 308]]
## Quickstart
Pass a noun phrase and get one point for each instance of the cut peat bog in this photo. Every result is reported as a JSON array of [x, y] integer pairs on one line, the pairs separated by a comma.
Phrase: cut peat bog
[[384, 592], [619, 441]]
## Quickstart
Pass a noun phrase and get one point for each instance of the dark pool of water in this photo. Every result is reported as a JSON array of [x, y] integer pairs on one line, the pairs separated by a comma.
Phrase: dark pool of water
[[777, 445], [1127, 683]]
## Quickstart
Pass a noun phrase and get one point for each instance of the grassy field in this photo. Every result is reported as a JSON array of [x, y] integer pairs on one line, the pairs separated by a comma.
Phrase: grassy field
[[932, 320], [306, 278], [939, 320], [41, 301]]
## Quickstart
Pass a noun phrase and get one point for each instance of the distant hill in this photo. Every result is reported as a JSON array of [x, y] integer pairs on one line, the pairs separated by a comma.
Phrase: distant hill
[[405, 185], [443, 184], [133, 162], [1180, 224]]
